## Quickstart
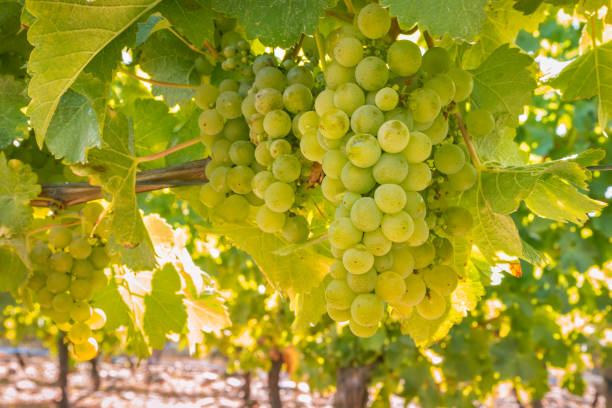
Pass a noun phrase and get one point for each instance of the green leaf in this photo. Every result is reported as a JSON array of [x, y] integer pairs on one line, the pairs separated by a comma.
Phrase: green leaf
[[462, 19], [309, 307], [187, 129], [206, 313], [499, 147], [117, 311], [64, 46], [275, 23], [115, 167], [14, 272], [153, 125], [17, 187], [193, 18], [503, 82], [164, 309], [13, 123], [587, 76]]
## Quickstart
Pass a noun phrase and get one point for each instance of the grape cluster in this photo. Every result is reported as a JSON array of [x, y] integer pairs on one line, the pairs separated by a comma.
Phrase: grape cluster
[[235, 51], [252, 132], [374, 129], [68, 268]]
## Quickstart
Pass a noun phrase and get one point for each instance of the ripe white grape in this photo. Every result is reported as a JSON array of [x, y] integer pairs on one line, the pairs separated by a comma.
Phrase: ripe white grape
[[348, 97], [404, 57], [270, 77], [336, 75], [277, 123], [229, 104], [464, 178], [390, 169], [360, 330], [371, 73], [418, 148], [480, 122], [363, 283], [393, 136], [403, 261], [297, 98], [211, 122], [310, 147], [441, 278], [356, 179], [438, 130], [270, 221], [308, 122], [357, 260], [424, 104], [333, 161], [332, 190], [339, 295], [436, 60], [279, 196], [348, 51], [383, 263], [386, 99], [365, 214], [397, 227], [367, 309], [286, 168], [390, 198], [418, 178], [390, 286], [376, 243], [420, 234], [334, 124], [239, 179], [343, 234], [444, 86], [373, 21], [415, 290], [432, 306], [268, 99], [338, 315], [367, 119], [464, 83], [324, 102], [363, 150]]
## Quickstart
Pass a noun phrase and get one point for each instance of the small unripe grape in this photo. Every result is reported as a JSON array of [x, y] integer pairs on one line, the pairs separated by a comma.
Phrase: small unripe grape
[[373, 21], [356, 179], [339, 295], [404, 57], [361, 330], [479, 122], [357, 260], [58, 282], [390, 286], [415, 290], [62, 302], [363, 150], [338, 315], [397, 227], [86, 350], [367, 309], [464, 83], [60, 237], [458, 221], [362, 283], [279, 196], [435, 61], [371, 73], [376, 243], [432, 306], [270, 221], [343, 234], [386, 99], [418, 148], [365, 215], [449, 158], [390, 169], [390, 198], [295, 229]]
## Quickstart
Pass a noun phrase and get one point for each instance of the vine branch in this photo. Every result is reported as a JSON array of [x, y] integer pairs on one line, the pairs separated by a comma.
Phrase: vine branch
[[212, 50], [468, 142], [171, 150], [187, 43], [161, 83], [295, 50], [607, 167], [46, 227], [320, 49], [428, 39]]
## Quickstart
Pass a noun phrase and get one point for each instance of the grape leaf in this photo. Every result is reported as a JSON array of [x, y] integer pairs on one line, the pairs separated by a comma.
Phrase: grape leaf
[[309, 307], [14, 272], [164, 310], [17, 187], [503, 82], [499, 147], [63, 46], [193, 18], [13, 123], [275, 23], [205, 313], [186, 130], [462, 19], [587, 76], [117, 312], [115, 166], [152, 126]]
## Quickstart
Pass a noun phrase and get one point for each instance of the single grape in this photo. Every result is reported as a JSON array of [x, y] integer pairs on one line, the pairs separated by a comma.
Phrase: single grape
[[337, 270], [418, 178], [371, 73], [444, 86], [36, 281], [404, 57], [436, 60], [367, 119], [242, 152], [79, 248], [247, 107], [86, 350], [277, 123], [348, 97], [81, 289], [61, 262], [339, 295], [62, 302], [464, 83], [82, 268], [210, 197], [365, 215], [338, 315], [220, 150], [390, 198], [386, 99], [97, 319], [235, 207], [236, 129], [270, 77], [206, 96], [260, 182], [44, 297], [376, 243], [367, 309], [297, 98], [39, 254], [262, 61], [279, 147], [334, 124], [393, 136], [80, 312], [357, 260], [449, 158], [479, 122], [342, 234], [390, 286], [345, 30], [270, 221], [286, 168], [362, 283], [458, 221], [300, 75], [295, 229], [424, 255], [211, 122], [310, 147], [332, 190], [60, 237], [333, 161], [420, 234], [363, 150], [79, 333], [432, 306], [438, 130], [348, 51], [397, 227], [441, 278], [424, 104], [418, 148], [239, 179], [415, 290], [267, 100], [390, 169], [383, 263], [373, 21], [308, 122], [361, 330], [279, 196], [464, 179], [229, 104], [403, 261], [356, 179], [324, 101], [349, 198], [336, 75]]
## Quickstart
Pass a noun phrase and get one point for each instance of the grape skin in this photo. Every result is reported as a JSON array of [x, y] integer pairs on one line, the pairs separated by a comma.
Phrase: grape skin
[[404, 57], [343, 234], [363, 150], [393, 136], [339, 295], [432, 306], [390, 286], [373, 21], [390, 169], [357, 260], [365, 214], [390, 198], [348, 51], [367, 119], [348, 97], [371, 73], [418, 148], [363, 283], [376, 242], [397, 227], [367, 309], [386, 99], [356, 179], [424, 104], [279, 197]]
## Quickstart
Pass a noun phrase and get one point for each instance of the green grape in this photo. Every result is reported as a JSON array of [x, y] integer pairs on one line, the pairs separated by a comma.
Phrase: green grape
[[39, 254], [415, 290], [346, 30], [60, 237], [336, 75], [329, 144], [449, 158], [334, 124], [297, 98], [367, 309], [458, 221], [286, 168], [300, 75], [438, 130], [270, 77], [80, 312], [342, 233], [97, 319], [337, 270], [361, 330], [324, 102], [397, 227], [36, 281], [242, 152], [333, 161], [229, 104], [270, 221], [82, 268], [295, 229], [390, 198], [421, 126], [363, 150], [436, 60], [87, 350], [362, 283], [261, 181], [357, 260], [418, 178], [247, 107], [365, 215], [211, 122], [277, 123], [420, 234], [332, 190], [279, 148], [383, 263], [239, 179], [371, 73], [370, 98], [61, 262], [80, 248], [403, 261], [386, 99], [338, 294], [480, 122], [424, 255], [262, 153], [236, 129], [390, 286], [81, 289], [262, 61], [234, 207], [218, 179], [104, 229], [348, 97], [356, 179], [308, 122], [279, 196], [44, 297], [390, 169], [228, 85], [444, 250], [376, 243], [400, 310], [464, 179], [404, 57], [98, 280], [254, 200], [310, 147], [348, 51], [373, 21], [367, 119], [220, 151], [441, 278], [256, 129], [341, 210], [444, 86], [79, 333], [432, 306], [206, 96], [464, 83], [268, 99], [62, 302], [424, 104], [393, 136], [418, 148], [349, 198], [338, 315]]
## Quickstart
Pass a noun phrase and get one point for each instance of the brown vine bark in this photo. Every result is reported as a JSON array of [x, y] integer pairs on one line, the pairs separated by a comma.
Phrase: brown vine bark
[[352, 386], [246, 389], [64, 368], [273, 378], [95, 374]]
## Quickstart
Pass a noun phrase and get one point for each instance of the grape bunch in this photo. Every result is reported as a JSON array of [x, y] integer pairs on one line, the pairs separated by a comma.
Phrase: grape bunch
[[374, 129], [252, 132], [68, 269]]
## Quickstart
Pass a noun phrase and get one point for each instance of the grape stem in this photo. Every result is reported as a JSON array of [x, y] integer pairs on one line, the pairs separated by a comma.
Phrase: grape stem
[[46, 227], [171, 150], [295, 50], [428, 39], [468, 142], [340, 16], [212, 50], [349, 6], [600, 168], [320, 50], [187, 43], [160, 83]]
